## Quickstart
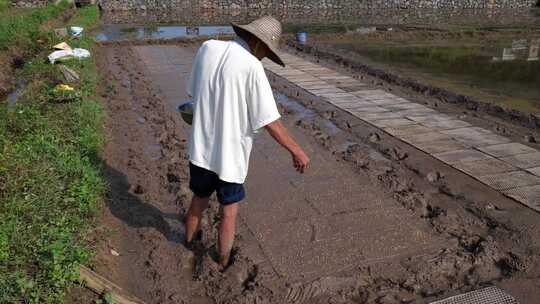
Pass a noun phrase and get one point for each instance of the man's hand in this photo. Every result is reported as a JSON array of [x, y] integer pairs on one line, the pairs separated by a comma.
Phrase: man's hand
[[300, 160], [281, 135]]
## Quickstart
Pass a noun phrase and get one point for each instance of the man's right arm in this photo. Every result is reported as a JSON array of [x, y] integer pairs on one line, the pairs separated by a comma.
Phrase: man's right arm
[[282, 136]]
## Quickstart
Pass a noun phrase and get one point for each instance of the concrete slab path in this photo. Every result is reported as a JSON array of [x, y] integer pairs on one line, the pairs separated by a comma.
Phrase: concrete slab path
[[509, 167]]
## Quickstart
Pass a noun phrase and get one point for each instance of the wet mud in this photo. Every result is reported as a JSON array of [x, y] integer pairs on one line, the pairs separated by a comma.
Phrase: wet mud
[[489, 239]]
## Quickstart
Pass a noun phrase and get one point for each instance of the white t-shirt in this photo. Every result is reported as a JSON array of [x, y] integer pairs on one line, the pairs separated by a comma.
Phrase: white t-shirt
[[232, 100]]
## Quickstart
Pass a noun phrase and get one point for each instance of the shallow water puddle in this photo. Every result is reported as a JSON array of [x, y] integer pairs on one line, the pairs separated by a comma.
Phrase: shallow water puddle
[[124, 32], [13, 96]]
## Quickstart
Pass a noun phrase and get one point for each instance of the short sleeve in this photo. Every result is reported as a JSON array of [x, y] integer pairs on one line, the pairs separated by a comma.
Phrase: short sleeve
[[191, 82], [195, 70], [262, 106]]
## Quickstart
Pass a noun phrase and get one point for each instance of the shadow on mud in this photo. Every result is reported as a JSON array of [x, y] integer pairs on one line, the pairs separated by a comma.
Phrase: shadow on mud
[[124, 204]]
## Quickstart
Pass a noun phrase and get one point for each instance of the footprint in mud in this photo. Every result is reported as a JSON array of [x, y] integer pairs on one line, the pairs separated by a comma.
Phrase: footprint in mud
[[138, 189], [154, 152], [207, 261], [300, 293]]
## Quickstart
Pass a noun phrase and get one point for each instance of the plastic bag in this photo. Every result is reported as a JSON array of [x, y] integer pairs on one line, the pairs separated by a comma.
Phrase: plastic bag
[[76, 31], [64, 55]]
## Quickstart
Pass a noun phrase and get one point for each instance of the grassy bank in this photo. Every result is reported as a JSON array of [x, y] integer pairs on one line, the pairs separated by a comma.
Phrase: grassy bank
[[22, 29], [50, 184], [4, 4]]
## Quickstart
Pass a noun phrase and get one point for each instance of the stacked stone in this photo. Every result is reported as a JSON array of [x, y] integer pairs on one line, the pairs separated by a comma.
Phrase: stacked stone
[[316, 15], [29, 3], [311, 4]]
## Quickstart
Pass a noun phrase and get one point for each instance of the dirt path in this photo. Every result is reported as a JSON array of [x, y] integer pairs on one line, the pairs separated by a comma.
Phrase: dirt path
[[358, 227]]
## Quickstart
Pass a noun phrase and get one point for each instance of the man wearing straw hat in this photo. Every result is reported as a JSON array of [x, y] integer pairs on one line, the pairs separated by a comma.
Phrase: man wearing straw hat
[[232, 100]]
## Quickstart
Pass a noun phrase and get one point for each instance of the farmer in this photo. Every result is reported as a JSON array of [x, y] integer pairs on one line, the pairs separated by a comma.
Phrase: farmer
[[232, 100]]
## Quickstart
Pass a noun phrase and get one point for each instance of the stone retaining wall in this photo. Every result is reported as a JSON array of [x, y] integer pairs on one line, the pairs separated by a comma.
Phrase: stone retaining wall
[[421, 17], [110, 5], [29, 3], [314, 4]]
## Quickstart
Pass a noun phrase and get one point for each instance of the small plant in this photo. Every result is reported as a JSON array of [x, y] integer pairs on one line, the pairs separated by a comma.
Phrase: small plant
[[107, 298], [63, 93]]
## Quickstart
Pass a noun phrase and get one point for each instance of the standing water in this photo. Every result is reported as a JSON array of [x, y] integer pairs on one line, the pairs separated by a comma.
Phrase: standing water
[[13, 96], [123, 32]]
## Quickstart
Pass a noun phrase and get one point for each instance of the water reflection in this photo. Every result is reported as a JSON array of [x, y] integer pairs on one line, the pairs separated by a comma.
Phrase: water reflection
[[521, 49], [124, 32]]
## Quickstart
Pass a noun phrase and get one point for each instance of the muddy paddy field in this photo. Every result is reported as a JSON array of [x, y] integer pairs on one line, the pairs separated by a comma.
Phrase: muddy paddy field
[[373, 221]]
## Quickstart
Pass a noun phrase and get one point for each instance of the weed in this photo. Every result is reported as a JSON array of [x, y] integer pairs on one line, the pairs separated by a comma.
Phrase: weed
[[85, 17]]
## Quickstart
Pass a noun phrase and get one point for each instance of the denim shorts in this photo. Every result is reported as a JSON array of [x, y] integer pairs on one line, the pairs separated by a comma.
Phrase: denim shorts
[[204, 182]]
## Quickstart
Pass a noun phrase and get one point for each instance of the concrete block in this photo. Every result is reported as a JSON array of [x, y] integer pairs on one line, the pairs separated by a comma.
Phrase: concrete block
[[426, 137], [335, 77], [510, 180], [406, 106], [446, 124], [377, 116], [524, 161], [529, 196], [466, 155], [484, 167], [430, 118], [389, 101], [509, 149], [440, 146], [416, 112], [326, 91], [373, 109], [476, 137], [407, 130], [395, 122]]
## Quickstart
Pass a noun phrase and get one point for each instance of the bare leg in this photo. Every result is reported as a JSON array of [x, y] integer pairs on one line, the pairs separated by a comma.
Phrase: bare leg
[[194, 215], [226, 232]]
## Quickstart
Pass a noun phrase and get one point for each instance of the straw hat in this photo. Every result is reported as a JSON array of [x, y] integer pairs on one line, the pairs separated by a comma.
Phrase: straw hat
[[268, 30]]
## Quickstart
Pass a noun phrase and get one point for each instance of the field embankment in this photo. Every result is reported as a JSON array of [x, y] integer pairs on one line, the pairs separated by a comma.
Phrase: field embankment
[[50, 181]]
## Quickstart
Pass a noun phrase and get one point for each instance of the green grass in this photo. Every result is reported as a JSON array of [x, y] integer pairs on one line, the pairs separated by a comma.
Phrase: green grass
[[26, 26], [317, 28], [85, 17], [50, 180], [4, 4]]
